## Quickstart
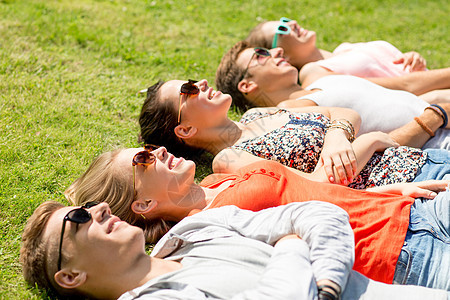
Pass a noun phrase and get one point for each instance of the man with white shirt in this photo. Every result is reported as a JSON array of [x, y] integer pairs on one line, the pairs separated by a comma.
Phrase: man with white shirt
[[223, 253]]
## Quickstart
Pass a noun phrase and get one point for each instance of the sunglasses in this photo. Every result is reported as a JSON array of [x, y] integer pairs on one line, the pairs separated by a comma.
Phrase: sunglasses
[[258, 52], [79, 216], [143, 158], [188, 88], [281, 29]]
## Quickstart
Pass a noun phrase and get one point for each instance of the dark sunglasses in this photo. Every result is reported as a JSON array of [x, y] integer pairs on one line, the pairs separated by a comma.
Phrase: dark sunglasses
[[258, 52], [143, 158], [188, 88], [79, 216], [281, 29]]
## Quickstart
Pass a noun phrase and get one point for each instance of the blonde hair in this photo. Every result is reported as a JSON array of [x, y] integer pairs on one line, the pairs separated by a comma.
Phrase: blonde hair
[[39, 257], [104, 181]]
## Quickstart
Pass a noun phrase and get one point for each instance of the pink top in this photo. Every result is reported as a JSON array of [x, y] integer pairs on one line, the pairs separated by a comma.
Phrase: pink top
[[371, 59]]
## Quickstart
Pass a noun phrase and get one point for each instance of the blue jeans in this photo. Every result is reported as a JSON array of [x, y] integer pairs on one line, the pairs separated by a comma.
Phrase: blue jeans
[[436, 166], [425, 256]]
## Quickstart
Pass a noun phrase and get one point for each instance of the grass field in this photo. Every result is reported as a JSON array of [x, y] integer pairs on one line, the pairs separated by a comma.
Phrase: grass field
[[70, 70]]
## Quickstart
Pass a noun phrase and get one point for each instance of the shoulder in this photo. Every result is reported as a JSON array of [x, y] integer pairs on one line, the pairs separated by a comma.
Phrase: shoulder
[[228, 160], [312, 72]]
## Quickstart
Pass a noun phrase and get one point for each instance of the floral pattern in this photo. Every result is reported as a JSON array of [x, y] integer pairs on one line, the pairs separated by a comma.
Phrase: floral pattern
[[299, 142]]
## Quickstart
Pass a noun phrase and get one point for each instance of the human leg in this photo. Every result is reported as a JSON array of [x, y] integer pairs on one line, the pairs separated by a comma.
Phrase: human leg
[[425, 257], [363, 288]]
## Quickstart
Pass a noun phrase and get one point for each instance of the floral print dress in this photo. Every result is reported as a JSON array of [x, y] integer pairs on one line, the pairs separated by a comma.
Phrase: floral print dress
[[299, 142]]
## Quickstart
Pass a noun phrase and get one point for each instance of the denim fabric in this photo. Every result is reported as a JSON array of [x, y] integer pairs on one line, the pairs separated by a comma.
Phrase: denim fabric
[[437, 166], [425, 257]]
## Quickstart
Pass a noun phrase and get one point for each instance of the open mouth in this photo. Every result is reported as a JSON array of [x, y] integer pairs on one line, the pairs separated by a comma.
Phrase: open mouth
[[114, 223], [281, 61], [303, 32], [212, 93], [174, 161]]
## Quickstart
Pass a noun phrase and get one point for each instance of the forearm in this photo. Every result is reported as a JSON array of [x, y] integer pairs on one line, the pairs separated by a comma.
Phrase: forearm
[[417, 83], [412, 134], [338, 113], [366, 145]]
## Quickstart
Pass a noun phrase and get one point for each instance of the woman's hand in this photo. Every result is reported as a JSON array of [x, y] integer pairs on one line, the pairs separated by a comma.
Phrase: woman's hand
[[425, 189], [338, 158], [412, 59]]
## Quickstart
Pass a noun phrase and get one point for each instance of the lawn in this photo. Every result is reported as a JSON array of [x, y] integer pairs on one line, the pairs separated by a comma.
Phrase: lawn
[[70, 70]]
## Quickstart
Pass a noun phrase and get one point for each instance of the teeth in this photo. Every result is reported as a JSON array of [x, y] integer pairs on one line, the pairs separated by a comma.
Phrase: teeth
[[173, 163]]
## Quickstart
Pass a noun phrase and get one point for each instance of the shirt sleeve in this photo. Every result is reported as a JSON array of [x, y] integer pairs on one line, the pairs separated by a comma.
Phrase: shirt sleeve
[[288, 275], [323, 226]]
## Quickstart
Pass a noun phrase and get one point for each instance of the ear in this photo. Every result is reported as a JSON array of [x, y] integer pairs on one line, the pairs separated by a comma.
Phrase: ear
[[70, 279], [143, 206], [247, 86], [185, 132]]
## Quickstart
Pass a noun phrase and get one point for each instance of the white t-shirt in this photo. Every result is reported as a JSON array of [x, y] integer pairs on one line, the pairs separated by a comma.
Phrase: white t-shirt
[[381, 109]]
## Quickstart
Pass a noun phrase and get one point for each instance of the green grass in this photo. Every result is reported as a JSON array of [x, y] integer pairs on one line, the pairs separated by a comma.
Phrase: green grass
[[70, 70]]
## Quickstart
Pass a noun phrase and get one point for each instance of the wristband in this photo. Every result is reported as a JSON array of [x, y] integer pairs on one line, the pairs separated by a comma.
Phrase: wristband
[[424, 126], [437, 108]]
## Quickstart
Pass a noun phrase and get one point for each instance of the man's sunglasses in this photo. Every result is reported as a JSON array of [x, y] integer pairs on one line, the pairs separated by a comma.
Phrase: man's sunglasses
[[188, 88], [143, 158], [283, 28], [258, 52], [77, 215]]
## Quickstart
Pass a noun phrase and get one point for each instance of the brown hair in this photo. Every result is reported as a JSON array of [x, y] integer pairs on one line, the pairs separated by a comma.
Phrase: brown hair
[[104, 181], [256, 38], [158, 120], [39, 257], [229, 74]]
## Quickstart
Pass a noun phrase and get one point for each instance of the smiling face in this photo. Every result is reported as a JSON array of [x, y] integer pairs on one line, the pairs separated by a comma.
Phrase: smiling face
[[166, 181], [297, 45], [201, 110], [103, 245], [274, 74]]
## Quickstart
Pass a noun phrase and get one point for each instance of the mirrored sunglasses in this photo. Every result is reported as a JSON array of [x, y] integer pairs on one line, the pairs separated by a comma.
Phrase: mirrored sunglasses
[[258, 52]]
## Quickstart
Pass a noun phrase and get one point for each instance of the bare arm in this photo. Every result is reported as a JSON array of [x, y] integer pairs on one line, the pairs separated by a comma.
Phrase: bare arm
[[426, 189], [413, 135], [417, 83]]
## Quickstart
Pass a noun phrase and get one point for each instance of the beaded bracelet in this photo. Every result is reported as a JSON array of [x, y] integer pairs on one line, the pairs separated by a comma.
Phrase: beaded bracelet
[[441, 112]]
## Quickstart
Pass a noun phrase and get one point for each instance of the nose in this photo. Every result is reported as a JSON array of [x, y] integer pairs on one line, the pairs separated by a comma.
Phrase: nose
[[160, 153], [100, 211], [277, 52], [294, 26], [203, 85]]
